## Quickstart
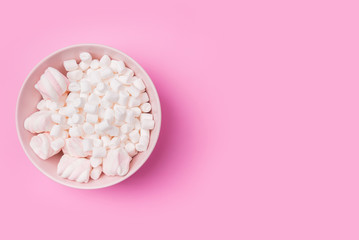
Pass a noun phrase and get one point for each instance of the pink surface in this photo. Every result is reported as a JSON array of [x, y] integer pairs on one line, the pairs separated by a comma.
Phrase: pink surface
[[259, 136]]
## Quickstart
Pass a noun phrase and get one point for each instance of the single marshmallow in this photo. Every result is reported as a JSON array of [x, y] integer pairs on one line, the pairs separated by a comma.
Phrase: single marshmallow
[[145, 133], [106, 73], [123, 98], [67, 111], [56, 131], [74, 168], [111, 96], [142, 145], [113, 131], [41, 105], [147, 124], [75, 75], [101, 89], [58, 118], [87, 145], [99, 152], [90, 108], [94, 77], [115, 142], [74, 147], [148, 116], [41, 145], [109, 115], [75, 131], [58, 144], [86, 57], [95, 162], [126, 80], [120, 113], [115, 84], [53, 106], [144, 97], [134, 136], [130, 149], [39, 122], [84, 66], [96, 172], [95, 64], [103, 126], [137, 124], [105, 61], [94, 99], [138, 83], [74, 87], [79, 102], [117, 66], [126, 128], [127, 72], [134, 102], [70, 65], [71, 97], [105, 140], [130, 116], [133, 91], [146, 107], [136, 111], [91, 118], [117, 162], [97, 142], [88, 128], [85, 86], [52, 84], [77, 118]]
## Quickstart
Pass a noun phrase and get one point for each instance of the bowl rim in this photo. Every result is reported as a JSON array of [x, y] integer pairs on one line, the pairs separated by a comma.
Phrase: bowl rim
[[158, 122]]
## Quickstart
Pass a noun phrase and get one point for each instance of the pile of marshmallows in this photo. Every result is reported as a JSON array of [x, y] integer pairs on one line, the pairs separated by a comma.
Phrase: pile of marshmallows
[[99, 116]]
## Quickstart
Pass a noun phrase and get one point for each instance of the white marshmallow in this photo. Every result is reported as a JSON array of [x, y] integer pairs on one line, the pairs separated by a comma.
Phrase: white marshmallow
[[53, 106], [79, 102], [144, 116], [145, 133], [113, 131], [146, 107], [57, 144], [75, 131], [115, 84], [127, 72], [144, 97], [77, 118], [115, 142], [74, 87], [41, 105], [142, 145], [133, 91], [90, 108], [123, 98], [96, 172], [101, 88], [147, 124], [91, 118], [137, 124], [99, 152], [97, 142], [105, 61], [130, 116], [103, 126], [70, 65], [87, 145], [39, 122], [126, 128], [120, 113], [41, 145], [86, 57], [67, 111], [136, 111], [117, 66], [56, 131], [130, 149], [94, 77], [117, 162], [105, 140], [109, 115], [94, 99], [75, 75], [58, 118], [88, 128], [106, 73], [71, 97], [138, 83], [95, 162], [74, 147], [95, 64], [111, 96], [84, 66], [134, 136], [74, 168], [134, 102], [85, 86], [126, 80]]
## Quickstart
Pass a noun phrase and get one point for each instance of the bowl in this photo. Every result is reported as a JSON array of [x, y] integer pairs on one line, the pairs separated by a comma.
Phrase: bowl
[[29, 97]]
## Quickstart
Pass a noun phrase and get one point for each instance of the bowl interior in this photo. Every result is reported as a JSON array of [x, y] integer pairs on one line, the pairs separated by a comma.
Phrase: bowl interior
[[29, 97]]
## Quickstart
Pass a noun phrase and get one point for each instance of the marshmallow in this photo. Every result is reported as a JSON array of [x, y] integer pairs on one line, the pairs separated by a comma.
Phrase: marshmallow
[[91, 118], [87, 145], [99, 152], [134, 102], [85, 86], [95, 64], [126, 128], [123, 98], [144, 97], [130, 149], [71, 97], [77, 118], [75, 131], [53, 106], [117, 162], [113, 131], [134, 136], [56, 131], [101, 89], [58, 118], [136, 111], [39, 122], [138, 83], [97, 142], [75, 75], [70, 65], [96, 172], [58, 144], [94, 77], [74, 87], [105, 61], [115, 84], [115, 142], [86, 57], [130, 116], [142, 145], [103, 126], [84, 66], [117, 66], [95, 162], [133, 91], [145, 133], [79, 102], [106, 73], [126, 80], [88, 128], [127, 72], [74, 147], [74, 168], [41, 145], [111, 96], [109, 115], [144, 116], [120, 113], [52, 84], [146, 107], [94, 99], [137, 124], [90, 108], [147, 124], [41, 105], [67, 111]]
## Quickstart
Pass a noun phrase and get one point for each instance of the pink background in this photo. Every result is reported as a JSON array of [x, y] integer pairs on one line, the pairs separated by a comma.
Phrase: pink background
[[260, 128]]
